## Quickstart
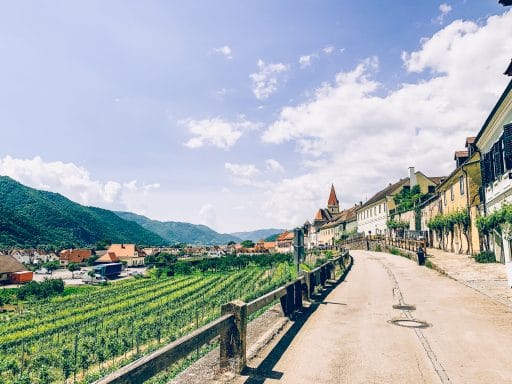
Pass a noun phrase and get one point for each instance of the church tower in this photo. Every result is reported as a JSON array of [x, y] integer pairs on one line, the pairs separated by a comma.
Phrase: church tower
[[333, 205]]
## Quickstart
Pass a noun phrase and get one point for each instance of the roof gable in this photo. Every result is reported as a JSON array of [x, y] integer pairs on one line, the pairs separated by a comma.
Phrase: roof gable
[[9, 264]]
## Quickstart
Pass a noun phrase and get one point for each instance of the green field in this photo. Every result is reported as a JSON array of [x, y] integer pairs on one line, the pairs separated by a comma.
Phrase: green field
[[82, 335]]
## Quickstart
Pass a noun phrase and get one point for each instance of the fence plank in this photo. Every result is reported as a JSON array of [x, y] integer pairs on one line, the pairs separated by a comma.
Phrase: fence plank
[[148, 366]]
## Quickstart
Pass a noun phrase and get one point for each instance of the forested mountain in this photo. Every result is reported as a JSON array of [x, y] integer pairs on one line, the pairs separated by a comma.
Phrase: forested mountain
[[177, 232], [258, 234], [30, 218]]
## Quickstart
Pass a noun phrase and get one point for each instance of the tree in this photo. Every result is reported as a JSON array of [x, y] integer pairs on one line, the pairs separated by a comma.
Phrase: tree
[[52, 266], [231, 243], [247, 244], [91, 260], [182, 268], [72, 267]]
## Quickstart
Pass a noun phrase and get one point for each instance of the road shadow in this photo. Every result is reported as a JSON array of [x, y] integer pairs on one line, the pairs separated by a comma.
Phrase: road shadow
[[265, 370]]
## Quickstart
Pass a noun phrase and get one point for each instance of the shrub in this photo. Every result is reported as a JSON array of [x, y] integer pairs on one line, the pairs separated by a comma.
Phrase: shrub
[[46, 288], [394, 251], [378, 248], [485, 257]]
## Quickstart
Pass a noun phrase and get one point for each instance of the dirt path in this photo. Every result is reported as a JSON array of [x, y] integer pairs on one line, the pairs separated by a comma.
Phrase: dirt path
[[350, 338]]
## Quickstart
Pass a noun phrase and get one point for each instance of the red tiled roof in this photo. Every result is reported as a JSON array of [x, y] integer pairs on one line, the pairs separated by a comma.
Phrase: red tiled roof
[[470, 140], [109, 257], [285, 236], [333, 200], [75, 255], [460, 154], [438, 179]]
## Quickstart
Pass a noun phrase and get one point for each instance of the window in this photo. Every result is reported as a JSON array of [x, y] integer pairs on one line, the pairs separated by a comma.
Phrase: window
[[461, 184], [444, 197], [431, 189], [451, 192], [379, 207]]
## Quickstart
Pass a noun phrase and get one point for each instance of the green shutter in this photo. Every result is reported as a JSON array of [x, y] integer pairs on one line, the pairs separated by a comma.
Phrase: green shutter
[[507, 145]]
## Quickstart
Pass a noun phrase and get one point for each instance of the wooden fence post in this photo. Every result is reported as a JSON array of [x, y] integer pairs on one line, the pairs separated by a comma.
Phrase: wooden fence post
[[297, 288], [309, 289], [233, 341], [288, 300]]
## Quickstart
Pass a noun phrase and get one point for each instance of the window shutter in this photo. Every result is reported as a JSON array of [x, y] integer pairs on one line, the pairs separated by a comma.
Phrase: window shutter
[[501, 166], [507, 145], [489, 172], [496, 159], [490, 166]]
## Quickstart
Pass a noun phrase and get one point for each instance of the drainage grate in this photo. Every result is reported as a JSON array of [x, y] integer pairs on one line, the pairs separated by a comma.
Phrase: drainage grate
[[405, 307], [409, 323]]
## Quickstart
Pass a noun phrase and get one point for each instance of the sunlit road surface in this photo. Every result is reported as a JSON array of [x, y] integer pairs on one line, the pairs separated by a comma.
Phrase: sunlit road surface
[[392, 321]]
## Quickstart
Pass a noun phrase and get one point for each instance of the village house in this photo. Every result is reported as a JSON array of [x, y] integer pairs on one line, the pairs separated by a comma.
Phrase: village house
[[313, 234], [71, 255], [33, 256], [8, 267], [494, 142], [129, 253], [285, 242], [458, 194], [373, 215], [343, 223]]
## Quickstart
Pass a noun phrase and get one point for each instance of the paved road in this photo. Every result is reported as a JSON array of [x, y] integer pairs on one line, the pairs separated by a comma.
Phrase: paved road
[[349, 338]]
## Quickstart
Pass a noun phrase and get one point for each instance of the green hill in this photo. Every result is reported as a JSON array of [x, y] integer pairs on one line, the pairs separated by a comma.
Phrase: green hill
[[29, 218], [177, 232], [259, 234]]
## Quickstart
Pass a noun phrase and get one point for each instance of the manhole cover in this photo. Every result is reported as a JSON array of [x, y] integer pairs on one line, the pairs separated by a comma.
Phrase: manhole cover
[[410, 323], [404, 307]]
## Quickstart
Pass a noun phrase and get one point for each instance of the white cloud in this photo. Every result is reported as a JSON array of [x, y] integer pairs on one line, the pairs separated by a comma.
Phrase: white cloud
[[328, 50], [208, 215], [76, 183], [274, 166], [224, 50], [265, 81], [305, 61], [444, 9], [364, 139], [221, 93], [216, 131], [242, 170]]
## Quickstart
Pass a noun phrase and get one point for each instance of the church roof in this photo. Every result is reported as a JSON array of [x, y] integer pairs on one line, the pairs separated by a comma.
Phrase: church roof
[[333, 200]]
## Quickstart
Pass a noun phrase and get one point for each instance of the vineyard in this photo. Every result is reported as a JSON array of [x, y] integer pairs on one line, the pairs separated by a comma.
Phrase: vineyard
[[80, 337]]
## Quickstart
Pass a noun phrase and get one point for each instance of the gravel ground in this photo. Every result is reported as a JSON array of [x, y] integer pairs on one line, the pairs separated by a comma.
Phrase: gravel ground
[[260, 332]]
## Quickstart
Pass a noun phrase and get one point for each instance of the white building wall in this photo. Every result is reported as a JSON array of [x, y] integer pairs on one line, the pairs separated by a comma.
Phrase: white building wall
[[373, 219]]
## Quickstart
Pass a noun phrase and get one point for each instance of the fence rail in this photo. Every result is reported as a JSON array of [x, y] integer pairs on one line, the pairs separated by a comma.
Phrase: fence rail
[[231, 327], [407, 243]]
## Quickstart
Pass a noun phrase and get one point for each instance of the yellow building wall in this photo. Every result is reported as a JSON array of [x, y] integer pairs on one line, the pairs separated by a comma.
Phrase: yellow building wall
[[453, 200], [325, 236]]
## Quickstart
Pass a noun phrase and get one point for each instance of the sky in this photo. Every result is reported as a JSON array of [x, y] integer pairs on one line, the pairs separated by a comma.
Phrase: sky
[[240, 115]]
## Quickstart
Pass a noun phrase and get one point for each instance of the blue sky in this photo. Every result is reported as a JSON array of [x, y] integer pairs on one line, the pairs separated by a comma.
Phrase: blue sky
[[239, 115]]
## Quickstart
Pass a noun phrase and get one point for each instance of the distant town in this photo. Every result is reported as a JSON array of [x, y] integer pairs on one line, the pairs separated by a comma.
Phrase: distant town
[[465, 212]]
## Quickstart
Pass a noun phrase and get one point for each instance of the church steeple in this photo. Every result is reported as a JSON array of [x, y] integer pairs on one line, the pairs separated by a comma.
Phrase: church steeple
[[333, 205]]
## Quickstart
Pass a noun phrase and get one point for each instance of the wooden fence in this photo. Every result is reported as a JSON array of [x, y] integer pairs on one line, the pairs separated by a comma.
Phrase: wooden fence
[[408, 244], [231, 326], [369, 241]]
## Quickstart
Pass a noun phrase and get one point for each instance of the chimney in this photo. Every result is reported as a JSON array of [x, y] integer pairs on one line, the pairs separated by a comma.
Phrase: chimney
[[412, 177]]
